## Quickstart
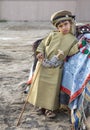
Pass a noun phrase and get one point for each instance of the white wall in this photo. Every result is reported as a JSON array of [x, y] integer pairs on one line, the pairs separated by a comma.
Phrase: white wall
[[33, 10], [83, 10]]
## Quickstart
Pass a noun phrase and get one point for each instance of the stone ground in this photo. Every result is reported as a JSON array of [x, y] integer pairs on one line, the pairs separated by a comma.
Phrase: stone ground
[[15, 61]]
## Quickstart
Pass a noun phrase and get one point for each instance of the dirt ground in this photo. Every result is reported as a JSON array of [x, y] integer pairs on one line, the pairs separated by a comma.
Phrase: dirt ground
[[15, 61]]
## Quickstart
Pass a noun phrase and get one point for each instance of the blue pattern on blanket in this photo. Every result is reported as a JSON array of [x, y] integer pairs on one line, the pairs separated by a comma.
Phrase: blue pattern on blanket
[[75, 73]]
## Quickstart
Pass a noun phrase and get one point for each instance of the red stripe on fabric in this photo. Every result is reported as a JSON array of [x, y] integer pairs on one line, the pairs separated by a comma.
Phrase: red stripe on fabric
[[80, 90], [65, 90], [76, 94], [30, 81]]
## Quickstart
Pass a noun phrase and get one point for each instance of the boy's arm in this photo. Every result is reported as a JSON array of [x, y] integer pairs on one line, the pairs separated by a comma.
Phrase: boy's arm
[[41, 47], [44, 42], [74, 49], [40, 52]]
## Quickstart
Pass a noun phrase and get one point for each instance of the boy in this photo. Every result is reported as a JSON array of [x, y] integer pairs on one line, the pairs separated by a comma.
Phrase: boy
[[45, 87]]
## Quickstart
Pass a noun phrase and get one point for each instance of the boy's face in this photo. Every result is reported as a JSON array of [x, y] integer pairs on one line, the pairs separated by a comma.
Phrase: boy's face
[[64, 27]]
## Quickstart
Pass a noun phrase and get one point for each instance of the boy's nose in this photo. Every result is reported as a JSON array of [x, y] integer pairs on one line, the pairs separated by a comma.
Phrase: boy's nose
[[63, 27]]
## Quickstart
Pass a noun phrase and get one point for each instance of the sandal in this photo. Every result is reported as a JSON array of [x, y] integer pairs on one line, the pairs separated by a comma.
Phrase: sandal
[[50, 114], [40, 111]]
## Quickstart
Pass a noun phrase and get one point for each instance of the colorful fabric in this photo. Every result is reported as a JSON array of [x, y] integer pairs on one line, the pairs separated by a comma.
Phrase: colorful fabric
[[52, 63], [76, 75], [79, 115]]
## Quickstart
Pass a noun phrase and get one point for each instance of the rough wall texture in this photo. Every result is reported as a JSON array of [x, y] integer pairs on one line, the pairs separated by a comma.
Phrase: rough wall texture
[[41, 10], [35, 10]]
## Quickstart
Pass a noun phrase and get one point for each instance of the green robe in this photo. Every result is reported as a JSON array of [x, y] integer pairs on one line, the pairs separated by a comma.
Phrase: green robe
[[45, 87]]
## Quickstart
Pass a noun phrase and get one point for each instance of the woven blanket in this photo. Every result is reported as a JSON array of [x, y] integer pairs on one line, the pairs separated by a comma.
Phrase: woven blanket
[[74, 89], [75, 74]]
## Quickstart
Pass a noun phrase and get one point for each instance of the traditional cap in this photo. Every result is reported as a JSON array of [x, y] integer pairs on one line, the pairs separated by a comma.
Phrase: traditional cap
[[60, 16], [87, 35]]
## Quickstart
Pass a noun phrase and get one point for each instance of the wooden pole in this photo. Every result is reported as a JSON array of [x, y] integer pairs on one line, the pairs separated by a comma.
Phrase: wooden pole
[[23, 109]]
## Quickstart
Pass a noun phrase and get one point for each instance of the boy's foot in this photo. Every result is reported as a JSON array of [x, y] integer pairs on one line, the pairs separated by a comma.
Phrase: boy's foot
[[50, 114], [40, 111]]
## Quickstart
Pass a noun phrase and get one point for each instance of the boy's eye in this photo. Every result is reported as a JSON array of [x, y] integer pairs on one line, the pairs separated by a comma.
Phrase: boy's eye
[[61, 25], [65, 24]]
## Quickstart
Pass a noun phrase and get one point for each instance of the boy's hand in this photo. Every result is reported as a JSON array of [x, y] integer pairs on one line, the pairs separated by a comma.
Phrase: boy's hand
[[40, 56], [60, 52]]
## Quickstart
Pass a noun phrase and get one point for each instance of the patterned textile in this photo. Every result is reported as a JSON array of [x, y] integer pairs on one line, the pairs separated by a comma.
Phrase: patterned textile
[[79, 114], [53, 62], [76, 75]]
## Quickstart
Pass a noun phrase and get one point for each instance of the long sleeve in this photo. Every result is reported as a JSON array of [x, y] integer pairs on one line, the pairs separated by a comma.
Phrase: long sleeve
[[73, 49], [45, 42]]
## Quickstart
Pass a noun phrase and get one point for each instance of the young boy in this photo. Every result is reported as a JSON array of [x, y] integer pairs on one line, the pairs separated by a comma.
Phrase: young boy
[[45, 86]]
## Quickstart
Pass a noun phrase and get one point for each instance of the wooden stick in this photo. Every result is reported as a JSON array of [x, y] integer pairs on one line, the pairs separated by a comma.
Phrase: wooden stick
[[23, 109]]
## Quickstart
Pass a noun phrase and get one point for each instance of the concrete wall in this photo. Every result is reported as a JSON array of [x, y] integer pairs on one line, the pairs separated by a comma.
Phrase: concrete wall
[[41, 10], [33, 10], [83, 10]]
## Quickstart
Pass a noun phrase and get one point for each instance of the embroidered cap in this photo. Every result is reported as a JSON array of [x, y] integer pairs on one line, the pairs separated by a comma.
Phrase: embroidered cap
[[59, 16]]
